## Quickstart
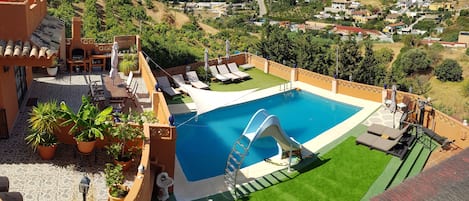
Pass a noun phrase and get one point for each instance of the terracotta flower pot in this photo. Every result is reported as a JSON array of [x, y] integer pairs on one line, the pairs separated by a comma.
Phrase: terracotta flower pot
[[46, 152], [111, 198], [125, 164], [86, 147]]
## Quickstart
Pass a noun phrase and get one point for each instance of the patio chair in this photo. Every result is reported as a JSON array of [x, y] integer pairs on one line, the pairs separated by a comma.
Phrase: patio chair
[[97, 98], [165, 86], [225, 72], [128, 82], [178, 80], [95, 84], [133, 96], [233, 67], [218, 76], [194, 80]]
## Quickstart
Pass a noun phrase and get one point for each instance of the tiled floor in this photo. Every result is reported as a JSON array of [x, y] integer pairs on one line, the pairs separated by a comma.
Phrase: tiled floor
[[56, 179]]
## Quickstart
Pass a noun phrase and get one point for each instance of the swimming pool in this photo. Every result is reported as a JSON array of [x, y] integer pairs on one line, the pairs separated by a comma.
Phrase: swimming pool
[[203, 143]]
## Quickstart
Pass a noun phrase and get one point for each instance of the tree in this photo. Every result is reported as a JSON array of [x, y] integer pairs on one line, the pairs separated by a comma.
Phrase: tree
[[449, 70], [410, 40], [369, 71], [349, 58], [384, 55], [421, 85], [413, 60]]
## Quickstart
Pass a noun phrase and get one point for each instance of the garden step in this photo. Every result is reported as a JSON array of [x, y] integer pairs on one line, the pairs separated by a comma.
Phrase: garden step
[[384, 179], [407, 165], [420, 163]]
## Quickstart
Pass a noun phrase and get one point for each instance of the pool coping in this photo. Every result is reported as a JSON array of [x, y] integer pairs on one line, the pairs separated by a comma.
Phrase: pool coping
[[185, 190]]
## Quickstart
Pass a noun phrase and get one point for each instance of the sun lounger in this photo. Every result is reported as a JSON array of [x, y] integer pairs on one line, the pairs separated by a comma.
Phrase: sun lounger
[[194, 80], [233, 67], [381, 130], [178, 80], [225, 72], [218, 76], [386, 145], [386, 139], [165, 86], [377, 142]]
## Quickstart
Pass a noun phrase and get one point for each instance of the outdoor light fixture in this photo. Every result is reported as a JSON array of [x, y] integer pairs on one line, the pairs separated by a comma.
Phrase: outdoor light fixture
[[141, 169], [84, 186], [171, 120], [157, 87]]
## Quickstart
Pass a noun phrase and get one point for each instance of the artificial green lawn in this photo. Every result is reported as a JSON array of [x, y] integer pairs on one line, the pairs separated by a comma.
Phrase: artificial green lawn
[[344, 173], [259, 80]]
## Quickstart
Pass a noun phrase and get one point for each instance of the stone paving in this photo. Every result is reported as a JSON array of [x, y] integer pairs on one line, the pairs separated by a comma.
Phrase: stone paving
[[384, 117], [58, 178]]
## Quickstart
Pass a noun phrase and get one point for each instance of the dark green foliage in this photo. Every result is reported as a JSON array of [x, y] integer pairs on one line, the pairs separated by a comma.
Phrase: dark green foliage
[[313, 53], [349, 59], [464, 13], [233, 22], [91, 21], [149, 4], [384, 55], [64, 11], [449, 70], [292, 11], [413, 60], [467, 51], [420, 84], [410, 40], [374, 24], [276, 45], [427, 25], [369, 71]]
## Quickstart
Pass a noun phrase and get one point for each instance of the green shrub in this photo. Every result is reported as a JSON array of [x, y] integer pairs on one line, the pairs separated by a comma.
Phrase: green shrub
[[467, 51], [449, 70]]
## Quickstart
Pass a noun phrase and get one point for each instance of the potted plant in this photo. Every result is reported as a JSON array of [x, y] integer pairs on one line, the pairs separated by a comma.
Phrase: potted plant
[[42, 123], [52, 70], [89, 123], [114, 181], [127, 133], [129, 63]]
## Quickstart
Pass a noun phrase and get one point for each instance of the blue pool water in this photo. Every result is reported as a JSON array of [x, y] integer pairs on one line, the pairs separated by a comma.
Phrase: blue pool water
[[203, 143]]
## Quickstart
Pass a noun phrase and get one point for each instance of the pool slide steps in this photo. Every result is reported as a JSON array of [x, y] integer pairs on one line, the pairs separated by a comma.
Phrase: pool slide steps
[[261, 124], [399, 170]]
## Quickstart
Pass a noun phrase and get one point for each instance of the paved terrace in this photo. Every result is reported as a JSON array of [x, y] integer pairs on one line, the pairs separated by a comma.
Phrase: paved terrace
[[57, 179]]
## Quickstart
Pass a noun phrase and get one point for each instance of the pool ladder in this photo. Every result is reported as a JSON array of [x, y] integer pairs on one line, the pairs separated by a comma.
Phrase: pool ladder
[[286, 86], [235, 159]]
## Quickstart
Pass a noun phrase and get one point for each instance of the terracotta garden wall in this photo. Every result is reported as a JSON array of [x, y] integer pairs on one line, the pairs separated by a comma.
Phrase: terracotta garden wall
[[444, 124]]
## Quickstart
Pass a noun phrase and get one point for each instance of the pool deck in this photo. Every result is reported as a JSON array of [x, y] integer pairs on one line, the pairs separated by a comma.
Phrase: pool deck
[[372, 112]]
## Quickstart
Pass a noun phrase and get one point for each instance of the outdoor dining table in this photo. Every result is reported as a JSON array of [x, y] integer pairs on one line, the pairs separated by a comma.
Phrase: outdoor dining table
[[116, 87]]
